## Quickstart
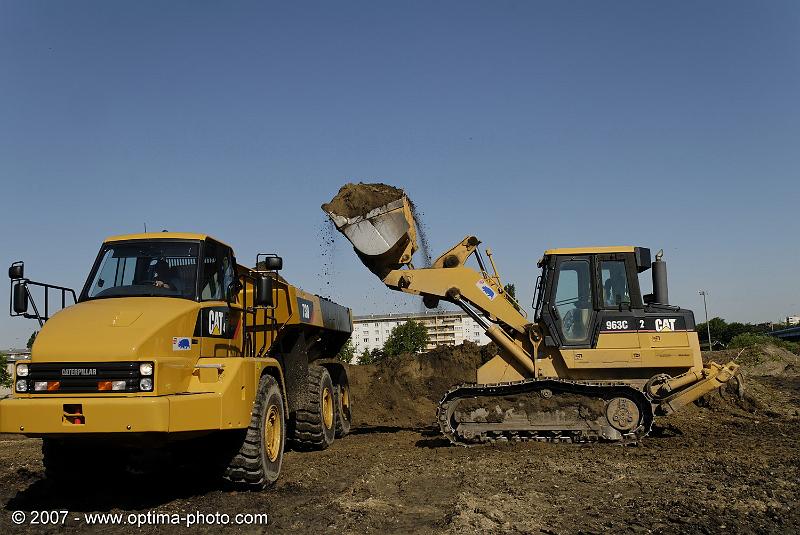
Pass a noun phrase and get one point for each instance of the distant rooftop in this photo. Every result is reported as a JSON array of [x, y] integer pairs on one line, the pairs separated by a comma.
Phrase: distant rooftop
[[15, 351]]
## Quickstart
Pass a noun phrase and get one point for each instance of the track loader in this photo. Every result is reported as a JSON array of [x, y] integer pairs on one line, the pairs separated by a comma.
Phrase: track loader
[[598, 361], [174, 347]]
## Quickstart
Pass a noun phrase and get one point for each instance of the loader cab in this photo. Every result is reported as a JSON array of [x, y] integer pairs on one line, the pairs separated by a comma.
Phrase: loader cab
[[583, 288]]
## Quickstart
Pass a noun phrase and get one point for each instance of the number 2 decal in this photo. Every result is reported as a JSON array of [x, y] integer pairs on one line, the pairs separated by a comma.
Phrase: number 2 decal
[[641, 324]]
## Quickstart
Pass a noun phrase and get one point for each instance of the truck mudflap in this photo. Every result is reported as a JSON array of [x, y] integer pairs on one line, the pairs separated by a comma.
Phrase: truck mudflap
[[673, 394]]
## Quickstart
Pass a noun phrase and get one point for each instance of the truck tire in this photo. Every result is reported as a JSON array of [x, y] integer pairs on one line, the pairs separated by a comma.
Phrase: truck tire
[[344, 414], [257, 463], [314, 424]]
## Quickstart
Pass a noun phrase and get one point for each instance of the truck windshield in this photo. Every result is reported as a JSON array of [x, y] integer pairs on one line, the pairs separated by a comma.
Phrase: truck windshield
[[153, 268]]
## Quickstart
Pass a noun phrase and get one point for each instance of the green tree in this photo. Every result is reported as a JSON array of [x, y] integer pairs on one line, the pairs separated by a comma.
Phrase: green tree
[[5, 377], [365, 357], [347, 352], [409, 337], [31, 339], [511, 290], [723, 332]]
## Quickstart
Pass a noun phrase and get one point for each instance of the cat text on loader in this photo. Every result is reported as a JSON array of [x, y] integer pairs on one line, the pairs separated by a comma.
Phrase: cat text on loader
[[172, 343], [598, 361]]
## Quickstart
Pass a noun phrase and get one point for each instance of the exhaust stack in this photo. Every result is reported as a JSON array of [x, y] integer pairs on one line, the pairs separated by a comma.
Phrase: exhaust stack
[[660, 289]]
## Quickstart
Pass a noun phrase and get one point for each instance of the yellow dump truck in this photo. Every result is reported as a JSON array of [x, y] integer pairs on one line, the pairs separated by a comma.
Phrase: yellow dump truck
[[173, 344]]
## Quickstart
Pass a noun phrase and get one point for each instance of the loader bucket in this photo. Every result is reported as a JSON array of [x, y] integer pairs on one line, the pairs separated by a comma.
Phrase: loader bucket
[[384, 237]]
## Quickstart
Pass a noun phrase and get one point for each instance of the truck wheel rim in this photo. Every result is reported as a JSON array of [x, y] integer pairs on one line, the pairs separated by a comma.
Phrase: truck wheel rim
[[272, 433], [327, 408], [345, 393]]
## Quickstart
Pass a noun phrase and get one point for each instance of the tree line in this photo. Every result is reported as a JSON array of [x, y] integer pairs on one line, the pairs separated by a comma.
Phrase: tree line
[[737, 335]]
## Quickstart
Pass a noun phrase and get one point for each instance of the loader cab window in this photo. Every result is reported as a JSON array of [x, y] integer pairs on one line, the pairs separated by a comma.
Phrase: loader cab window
[[614, 281], [218, 272], [144, 268], [573, 300]]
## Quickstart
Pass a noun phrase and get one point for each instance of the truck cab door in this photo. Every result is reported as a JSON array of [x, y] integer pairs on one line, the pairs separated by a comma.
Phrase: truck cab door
[[569, 311], [220, 317]]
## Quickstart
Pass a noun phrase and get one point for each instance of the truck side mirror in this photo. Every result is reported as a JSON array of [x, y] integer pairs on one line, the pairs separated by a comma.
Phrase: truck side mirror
[[20, 298], [263, 296], [16, 271], [273, 263]]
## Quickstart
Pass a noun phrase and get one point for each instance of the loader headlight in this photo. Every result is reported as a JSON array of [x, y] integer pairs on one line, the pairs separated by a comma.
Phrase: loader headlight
[[22, 370], [146, 368], [22, 385], [146, 384]]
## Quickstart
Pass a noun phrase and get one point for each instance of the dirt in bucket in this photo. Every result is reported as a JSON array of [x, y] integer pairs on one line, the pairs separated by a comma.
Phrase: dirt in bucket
[[358, 199]]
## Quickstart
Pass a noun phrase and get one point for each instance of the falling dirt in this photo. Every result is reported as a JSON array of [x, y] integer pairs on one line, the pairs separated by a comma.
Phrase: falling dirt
[[359, 199], [326, 237], [716, 468], [422, 235]]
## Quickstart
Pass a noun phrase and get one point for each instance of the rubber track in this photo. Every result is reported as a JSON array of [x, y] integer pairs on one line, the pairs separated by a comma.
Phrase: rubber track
[[557, 386], [308, 432]]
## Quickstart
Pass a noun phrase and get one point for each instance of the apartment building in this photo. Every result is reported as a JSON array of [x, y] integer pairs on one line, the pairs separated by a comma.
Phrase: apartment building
[[444, 329]]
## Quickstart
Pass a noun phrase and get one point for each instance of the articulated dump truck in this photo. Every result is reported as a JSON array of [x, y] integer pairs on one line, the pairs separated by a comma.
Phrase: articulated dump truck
[[172, 346], [598, 361]]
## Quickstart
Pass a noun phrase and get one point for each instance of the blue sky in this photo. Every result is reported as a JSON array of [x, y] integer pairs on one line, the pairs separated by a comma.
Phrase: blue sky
[[530, 124]]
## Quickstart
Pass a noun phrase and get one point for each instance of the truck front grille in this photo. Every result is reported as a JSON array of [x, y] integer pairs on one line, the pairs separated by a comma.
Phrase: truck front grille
[[82, 377]]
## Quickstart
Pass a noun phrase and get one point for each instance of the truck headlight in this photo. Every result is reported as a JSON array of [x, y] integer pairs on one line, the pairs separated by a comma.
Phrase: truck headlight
[[22, 385], [146, 368], [22, 370], [119, 385], [146, 384]]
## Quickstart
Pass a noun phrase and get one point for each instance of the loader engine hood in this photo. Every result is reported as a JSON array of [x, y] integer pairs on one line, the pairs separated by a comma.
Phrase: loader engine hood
[[104, 330]]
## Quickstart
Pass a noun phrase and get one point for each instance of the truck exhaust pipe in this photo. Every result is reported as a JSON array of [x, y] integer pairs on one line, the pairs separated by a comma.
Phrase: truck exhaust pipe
[[660, 289]]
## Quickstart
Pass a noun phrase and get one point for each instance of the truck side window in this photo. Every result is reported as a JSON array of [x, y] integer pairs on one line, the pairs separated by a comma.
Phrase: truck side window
[[574, 300], [615, 283], [218, 272]]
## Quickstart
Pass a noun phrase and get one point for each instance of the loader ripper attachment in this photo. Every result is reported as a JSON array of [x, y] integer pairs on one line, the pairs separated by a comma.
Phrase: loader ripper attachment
[[551, 410]]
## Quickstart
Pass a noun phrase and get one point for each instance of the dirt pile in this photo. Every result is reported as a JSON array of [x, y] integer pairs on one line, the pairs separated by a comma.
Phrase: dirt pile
[[403, 391], [771, 378], [359, 199]]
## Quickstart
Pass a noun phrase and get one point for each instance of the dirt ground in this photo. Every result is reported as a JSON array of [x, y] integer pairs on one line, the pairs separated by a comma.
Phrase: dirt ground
[[723, 467]]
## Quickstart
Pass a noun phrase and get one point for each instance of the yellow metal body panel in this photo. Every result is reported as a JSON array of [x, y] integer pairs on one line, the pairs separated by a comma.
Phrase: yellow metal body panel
[[103, 415], [163, 236], [498, 370]]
